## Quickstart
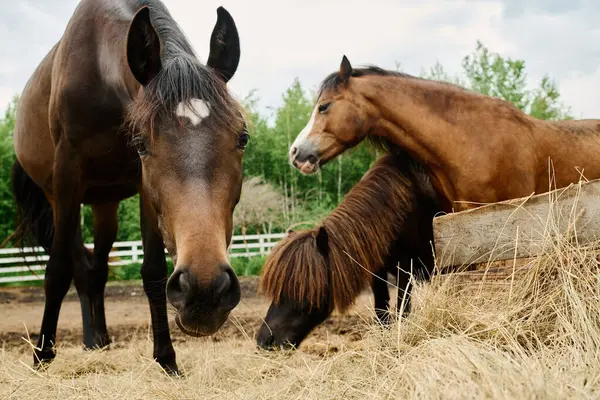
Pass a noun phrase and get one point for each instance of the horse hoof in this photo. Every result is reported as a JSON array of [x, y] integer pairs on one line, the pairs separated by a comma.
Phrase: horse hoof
[[100, 342], [168, 362], [172, 370], [43, 358], [384, 319]]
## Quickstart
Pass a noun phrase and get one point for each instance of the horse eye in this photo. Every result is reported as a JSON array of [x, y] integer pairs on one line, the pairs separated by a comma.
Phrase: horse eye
[[243, 140], [324, 107], [139, 143]]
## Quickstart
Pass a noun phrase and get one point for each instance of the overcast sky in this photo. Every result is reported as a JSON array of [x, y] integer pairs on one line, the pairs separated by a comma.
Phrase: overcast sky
[[284, 39]]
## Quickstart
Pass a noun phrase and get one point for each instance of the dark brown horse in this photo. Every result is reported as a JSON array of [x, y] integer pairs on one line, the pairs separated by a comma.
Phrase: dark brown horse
[[385, 220], [121, 105], [477, 149]]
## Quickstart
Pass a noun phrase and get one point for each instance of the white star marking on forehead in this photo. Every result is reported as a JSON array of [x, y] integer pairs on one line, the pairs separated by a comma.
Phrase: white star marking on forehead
[[195, 111]]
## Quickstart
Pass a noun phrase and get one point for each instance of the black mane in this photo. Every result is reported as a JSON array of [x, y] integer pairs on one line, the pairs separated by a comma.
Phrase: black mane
[[172, 37], [332, 80]]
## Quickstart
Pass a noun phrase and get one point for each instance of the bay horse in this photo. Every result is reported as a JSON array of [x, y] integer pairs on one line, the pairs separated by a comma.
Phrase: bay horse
[[384, 220], [122, 105], [477, 149]]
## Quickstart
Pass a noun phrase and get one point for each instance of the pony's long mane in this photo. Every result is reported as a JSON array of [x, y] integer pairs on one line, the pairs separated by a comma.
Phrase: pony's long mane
[[296, 270], [181, 79], [363, 226]]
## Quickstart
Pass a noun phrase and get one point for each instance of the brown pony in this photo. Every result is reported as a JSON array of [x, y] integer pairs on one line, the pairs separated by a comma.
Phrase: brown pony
[[385, 219], [121, 105], [476, 148]]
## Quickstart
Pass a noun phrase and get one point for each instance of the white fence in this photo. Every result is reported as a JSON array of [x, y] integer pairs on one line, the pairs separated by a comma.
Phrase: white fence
[[29, 263]]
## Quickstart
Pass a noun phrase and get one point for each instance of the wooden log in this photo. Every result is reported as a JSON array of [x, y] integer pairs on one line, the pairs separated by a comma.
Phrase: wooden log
[[489, 277], [518, 228]]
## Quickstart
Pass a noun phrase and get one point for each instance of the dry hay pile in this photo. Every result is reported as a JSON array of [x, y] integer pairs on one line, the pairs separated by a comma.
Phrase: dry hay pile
[[537, 336]]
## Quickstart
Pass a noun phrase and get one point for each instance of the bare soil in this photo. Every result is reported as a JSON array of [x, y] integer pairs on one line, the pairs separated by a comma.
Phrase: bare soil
[[128, 317]]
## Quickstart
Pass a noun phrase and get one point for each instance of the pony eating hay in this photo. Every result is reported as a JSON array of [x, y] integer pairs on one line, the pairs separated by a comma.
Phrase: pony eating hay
[[386, 218]]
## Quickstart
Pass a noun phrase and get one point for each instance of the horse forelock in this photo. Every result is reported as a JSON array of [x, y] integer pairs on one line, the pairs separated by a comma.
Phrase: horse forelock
[[181, 81], [296, 271], [360, 233]]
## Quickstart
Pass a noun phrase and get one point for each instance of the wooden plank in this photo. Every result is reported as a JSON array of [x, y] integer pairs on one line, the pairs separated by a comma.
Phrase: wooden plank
[[518, 228]]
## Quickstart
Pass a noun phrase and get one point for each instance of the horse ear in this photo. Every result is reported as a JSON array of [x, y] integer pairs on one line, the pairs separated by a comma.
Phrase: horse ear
[[345, 70], [323, 241], [143, 47], [224, 55]]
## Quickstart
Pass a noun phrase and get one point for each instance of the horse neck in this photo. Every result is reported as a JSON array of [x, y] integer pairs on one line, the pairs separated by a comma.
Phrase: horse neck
[[413, 114], [111, 57], [404, 116], [445, 128]]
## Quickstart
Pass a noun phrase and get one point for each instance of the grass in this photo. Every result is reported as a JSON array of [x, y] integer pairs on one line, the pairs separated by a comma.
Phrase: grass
[[532, 336], [243, 266]]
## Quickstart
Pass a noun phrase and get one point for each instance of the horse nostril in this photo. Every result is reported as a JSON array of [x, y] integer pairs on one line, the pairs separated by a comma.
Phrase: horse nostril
[[228, 288], [294, 150], [267, 343], [312, 159], [223, 284], [179, 287], [265, 337]]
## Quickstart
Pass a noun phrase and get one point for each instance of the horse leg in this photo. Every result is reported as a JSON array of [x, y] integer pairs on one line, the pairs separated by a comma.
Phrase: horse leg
[[105, 234], [404, 285], [154, 276], [81, 272], [381, 296], [68, 194]]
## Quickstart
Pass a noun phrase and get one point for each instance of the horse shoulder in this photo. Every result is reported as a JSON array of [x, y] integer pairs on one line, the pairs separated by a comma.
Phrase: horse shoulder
[[33, 142]]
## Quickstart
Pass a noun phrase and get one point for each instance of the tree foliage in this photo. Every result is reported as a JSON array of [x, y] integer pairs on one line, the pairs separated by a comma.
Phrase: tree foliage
[[493, 75], [7, 158]]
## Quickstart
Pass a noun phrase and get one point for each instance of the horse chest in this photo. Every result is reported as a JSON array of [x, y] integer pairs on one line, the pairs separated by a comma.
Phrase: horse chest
[[108, 159], [108, 170]]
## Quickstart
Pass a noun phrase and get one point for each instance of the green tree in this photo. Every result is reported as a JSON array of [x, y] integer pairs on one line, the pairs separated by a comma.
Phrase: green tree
[[493, 75], [258, 156], [546, 102], [7, 158], [438, 73]]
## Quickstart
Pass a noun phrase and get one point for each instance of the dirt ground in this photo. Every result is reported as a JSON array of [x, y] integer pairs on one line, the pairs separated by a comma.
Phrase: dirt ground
[[128, 317]]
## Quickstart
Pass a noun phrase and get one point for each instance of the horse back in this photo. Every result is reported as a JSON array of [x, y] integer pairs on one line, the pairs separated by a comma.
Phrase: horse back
[[78, 94]]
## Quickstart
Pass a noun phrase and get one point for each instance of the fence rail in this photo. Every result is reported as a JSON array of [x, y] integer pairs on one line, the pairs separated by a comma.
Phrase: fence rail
[[28, 264]]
